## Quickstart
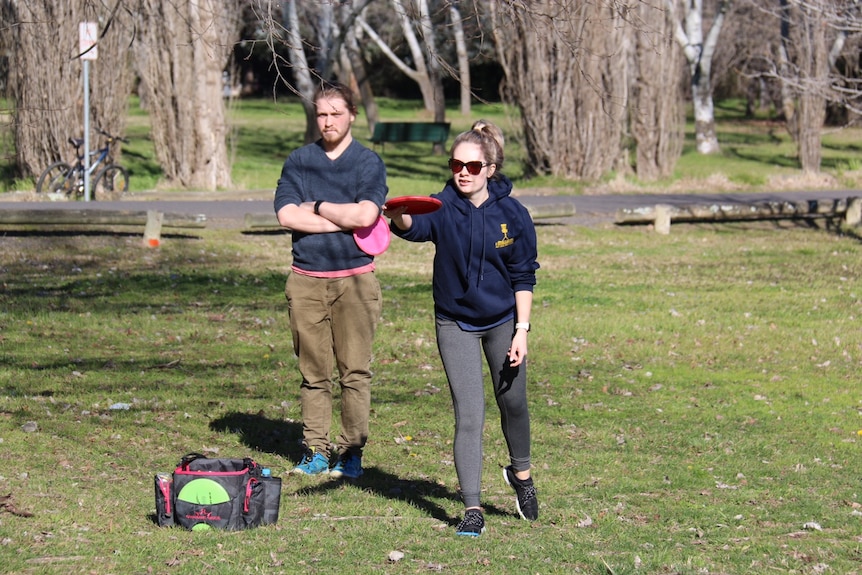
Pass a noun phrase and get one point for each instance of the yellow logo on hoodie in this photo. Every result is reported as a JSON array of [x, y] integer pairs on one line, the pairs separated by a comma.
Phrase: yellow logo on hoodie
[[506, 241]]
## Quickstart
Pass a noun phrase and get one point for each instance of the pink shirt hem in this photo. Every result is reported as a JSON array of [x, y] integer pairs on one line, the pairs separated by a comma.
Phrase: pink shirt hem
[[335, 273]]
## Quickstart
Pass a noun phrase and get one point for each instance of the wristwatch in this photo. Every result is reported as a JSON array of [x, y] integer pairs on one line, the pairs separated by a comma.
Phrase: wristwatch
[[522, 325], [317, 207]]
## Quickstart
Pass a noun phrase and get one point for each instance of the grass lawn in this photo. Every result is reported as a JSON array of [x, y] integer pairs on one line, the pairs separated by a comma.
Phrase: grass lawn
[[695, 407], [694, 397]]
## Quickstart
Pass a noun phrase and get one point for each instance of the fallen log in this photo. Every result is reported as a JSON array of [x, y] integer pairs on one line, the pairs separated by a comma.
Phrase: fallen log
[[717, 212], [561, 210], [542, 211], [152, 220], [99, 218], [256, 221]]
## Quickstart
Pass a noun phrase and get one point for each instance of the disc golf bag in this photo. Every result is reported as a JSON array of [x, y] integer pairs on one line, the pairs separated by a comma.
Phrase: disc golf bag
[[229, 494]]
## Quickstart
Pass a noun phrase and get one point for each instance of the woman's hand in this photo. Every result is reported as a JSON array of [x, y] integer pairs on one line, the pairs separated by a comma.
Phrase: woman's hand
[[401, 220], [518, 350]]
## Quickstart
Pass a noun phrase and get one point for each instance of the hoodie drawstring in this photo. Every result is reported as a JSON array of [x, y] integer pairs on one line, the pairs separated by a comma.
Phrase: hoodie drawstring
[[482, 254]]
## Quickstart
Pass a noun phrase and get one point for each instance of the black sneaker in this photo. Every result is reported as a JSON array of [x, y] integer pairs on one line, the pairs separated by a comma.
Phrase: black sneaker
[[526, 501], [472, 525]]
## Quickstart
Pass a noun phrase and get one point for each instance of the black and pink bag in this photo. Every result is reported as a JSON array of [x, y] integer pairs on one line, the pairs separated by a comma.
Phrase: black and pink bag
[[229, 494]]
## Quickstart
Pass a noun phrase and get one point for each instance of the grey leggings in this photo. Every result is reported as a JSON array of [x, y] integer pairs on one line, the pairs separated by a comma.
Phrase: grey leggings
[[461, 352]]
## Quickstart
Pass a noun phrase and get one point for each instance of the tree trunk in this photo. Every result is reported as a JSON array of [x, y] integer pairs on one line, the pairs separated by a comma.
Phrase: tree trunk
[[46, 82], [814, 64], [805, 78], [463, 58], [657, 119], [305, 87], [211, 168], [435, 72], [706, 138], [180, 53], [357, 65], [698, 52], [812, 112], [788, 101]]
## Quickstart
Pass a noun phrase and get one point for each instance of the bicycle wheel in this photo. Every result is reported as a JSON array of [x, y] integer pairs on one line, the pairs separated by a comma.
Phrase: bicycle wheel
[[111, 183], [70, 184], [51, 180]]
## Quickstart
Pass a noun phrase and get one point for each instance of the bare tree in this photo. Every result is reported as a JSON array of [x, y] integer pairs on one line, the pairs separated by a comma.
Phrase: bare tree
[[426, 28], [561, 62], [181, 50], [326, 31], [46, 82], [698, 52], [426, 70], [331, 34], [812, 36]]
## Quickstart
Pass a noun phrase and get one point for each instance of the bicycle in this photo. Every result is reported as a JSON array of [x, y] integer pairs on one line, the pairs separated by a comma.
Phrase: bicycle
[[109, 183]]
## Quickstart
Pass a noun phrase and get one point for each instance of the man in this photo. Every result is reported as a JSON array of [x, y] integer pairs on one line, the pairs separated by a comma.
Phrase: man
[[326, 190]]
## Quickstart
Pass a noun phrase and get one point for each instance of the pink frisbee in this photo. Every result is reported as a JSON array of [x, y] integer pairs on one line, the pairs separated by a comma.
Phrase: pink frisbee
[[374, 239]]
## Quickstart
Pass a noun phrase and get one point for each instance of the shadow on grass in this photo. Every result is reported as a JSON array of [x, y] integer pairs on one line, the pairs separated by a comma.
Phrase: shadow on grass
[[279, 437], [417, 165], [273, 231], [780, 160], [833, 225], [261, 433], [171, 288], [418, 493]]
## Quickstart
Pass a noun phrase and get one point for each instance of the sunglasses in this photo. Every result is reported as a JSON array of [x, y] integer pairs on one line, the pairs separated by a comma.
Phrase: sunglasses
[[473, 168]]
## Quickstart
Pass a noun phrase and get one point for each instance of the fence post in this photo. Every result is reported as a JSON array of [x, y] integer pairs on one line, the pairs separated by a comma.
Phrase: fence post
[[662, 219], [853, 215], [153, 230]]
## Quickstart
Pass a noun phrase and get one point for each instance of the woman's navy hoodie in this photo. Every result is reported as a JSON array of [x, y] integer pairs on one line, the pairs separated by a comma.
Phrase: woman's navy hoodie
[[483, 256]]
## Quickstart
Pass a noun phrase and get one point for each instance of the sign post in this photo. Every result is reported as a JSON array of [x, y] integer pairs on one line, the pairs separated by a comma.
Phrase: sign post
[[89, 49]]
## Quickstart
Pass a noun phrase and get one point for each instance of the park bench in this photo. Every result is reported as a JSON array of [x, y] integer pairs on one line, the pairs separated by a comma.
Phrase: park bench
[[151, 220], [395, 132]]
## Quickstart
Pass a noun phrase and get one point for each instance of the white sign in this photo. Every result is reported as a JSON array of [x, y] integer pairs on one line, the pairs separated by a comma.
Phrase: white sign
[[88, 33]]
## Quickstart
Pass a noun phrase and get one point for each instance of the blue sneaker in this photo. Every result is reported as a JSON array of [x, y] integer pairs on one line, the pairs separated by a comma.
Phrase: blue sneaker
[[349, 466], [313, 463]]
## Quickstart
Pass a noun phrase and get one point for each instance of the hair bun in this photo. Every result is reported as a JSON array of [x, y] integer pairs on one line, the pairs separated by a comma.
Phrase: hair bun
[[490, 130]]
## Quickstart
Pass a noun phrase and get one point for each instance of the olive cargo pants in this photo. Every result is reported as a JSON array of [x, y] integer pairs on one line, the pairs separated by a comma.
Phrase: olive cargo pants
[[334, 319]]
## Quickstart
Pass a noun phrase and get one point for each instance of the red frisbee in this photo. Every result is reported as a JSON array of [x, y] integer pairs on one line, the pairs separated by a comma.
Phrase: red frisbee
[[415, 204], [374, 239]]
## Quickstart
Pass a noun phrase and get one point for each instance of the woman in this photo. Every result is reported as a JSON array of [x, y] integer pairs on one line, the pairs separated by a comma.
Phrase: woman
[[484, 273]]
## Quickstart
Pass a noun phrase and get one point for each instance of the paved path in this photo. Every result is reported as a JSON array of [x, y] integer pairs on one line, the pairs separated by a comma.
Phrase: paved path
[[589, 210]]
